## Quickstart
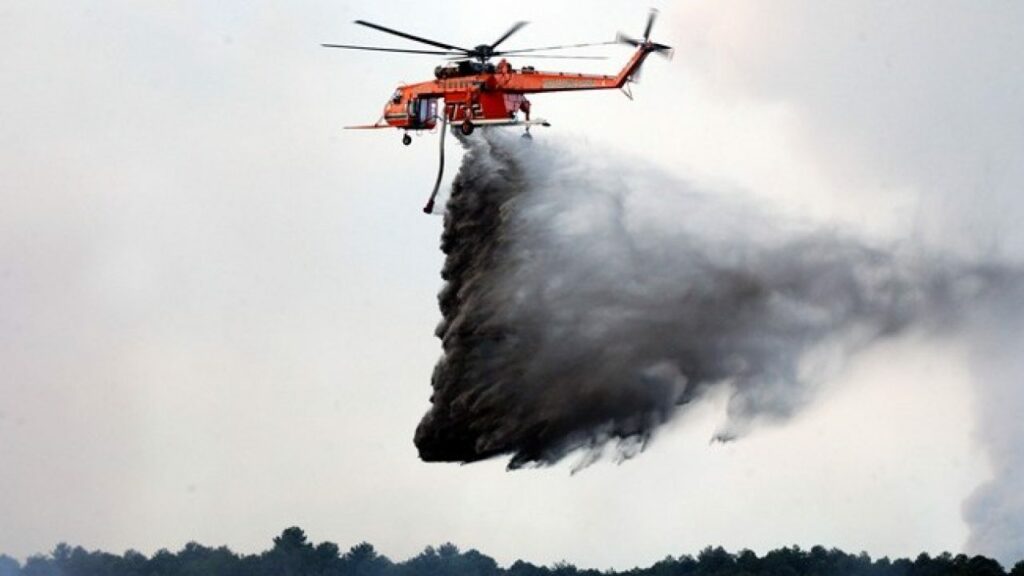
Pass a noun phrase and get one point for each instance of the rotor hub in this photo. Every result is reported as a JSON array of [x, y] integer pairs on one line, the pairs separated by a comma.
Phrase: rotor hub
[[483, 52]]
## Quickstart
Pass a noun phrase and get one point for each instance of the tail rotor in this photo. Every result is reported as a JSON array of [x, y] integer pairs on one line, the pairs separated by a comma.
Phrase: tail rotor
[[646, 44]]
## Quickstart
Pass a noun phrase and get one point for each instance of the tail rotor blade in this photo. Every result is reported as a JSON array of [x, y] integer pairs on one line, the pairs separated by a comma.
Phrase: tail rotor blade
[[664, 51], [626, 39], [650, 24]]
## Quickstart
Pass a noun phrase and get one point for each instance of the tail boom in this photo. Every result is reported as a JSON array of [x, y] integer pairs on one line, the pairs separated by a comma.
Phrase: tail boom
[[535, 82]]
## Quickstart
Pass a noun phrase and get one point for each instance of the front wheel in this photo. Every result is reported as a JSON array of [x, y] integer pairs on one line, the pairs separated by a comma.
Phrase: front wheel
[[467, 127], [406, 139]]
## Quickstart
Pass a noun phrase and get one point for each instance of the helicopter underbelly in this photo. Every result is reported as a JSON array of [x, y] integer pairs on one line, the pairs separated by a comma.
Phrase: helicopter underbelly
[[486, 105]]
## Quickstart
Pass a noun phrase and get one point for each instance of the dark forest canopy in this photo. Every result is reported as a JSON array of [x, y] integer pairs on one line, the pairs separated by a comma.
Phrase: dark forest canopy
[[294, 555]]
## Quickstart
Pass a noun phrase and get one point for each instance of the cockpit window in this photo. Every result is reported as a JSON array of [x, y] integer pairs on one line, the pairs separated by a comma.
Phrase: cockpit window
[[397, 97]]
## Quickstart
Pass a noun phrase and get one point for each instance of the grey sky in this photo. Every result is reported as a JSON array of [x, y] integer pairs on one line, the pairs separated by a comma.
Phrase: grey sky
[[205, 283]]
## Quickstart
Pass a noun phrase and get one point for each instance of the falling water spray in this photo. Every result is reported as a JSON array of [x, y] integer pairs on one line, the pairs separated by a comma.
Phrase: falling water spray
[[586, 301]]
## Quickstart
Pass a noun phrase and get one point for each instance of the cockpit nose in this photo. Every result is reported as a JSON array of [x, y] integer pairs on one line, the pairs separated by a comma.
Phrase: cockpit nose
[[394, 103]]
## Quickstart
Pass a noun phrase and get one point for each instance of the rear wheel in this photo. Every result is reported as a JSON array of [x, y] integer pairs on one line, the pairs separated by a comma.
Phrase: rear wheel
[[467, 127]]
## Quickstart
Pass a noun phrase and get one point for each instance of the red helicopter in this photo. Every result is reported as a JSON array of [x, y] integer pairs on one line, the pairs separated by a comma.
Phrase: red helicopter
[[479, 93]]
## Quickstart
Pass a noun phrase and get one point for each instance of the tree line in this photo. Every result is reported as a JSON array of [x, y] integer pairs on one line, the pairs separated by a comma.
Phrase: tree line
[[294, 555]]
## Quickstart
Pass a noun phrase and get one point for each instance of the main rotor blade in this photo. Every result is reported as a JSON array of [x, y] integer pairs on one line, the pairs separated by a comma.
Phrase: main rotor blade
[[515, 28], [523, 50], [375, 49], [409, 36], [650, 24], [461, 57], [557, 56]]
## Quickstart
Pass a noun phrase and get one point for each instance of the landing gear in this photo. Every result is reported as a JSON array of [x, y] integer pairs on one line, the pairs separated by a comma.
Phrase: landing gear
[[527, 134], [406, 139], [466, 127]]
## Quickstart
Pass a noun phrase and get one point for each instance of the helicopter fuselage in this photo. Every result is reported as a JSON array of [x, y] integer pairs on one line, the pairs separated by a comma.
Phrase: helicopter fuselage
[[471, 91], [493, 94]]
